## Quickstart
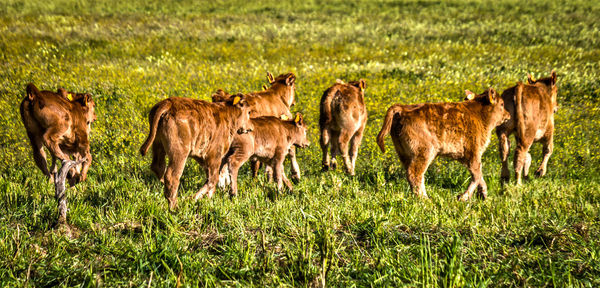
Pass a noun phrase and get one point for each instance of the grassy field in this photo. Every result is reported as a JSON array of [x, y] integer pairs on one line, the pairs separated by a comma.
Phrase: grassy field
[[368, 230]]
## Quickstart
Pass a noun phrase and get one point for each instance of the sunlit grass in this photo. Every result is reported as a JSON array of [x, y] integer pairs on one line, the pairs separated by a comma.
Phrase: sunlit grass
[[366, 230]]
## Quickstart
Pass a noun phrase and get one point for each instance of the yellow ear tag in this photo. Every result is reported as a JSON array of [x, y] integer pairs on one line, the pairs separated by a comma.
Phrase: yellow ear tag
[[265, 87], [70, 97], [236, 100], [362, 89], [297, 118], [491, 99], [284, 117]]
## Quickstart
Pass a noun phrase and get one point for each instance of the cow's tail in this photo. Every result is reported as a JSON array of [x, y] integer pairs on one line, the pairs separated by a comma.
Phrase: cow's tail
[[519, 110], [32, 91], [156, 114], [326, 99], [387, 125]]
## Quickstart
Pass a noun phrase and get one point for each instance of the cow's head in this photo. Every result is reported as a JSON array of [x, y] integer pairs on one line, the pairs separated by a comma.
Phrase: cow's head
[[491, 99], [360, 84], [89, 109], [289, 80], [242, 123], [220, 96], [550, 83], [301, 139]]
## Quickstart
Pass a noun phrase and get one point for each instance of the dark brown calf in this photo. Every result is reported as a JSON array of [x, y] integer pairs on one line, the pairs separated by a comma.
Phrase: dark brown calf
[[269, 142], [531, 108], [62, 124], [459, 130], [182, 127], [342, 122]]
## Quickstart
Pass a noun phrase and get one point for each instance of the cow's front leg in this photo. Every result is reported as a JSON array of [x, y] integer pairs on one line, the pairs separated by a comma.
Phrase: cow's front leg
[[295, 168], [212, 174], [476, 182]]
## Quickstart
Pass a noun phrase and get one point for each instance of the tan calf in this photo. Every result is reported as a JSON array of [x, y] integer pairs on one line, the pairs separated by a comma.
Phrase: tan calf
[[531, 108], [182, 128], [459, 130], [275, 101], [62, 123], [269, 142], [342, 122]]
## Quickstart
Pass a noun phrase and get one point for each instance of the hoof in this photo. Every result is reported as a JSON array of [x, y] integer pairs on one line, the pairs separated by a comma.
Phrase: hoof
[[540, 173], [463, 198], [482, 195]]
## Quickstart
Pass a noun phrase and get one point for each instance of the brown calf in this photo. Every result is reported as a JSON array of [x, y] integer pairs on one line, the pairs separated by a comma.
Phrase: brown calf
[[269, 142], [275, 101], [182, 127], [342, 122], [531, 108], [459, 130], [60, 122]]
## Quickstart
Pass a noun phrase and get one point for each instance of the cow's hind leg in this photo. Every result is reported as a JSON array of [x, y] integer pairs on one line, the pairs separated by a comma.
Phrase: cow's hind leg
[[547, 150], [335, 148], [354, 145], [504, 150], [521, 158], [324, 142], [159, 162], [39, 155], [172, 177], [416, 172], [343, 142]]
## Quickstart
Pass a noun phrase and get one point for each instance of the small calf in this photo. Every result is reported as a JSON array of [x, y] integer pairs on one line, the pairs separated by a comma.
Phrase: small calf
[[342, 122], [269, 143], [459, 130], [182, 128], [532, 107], [61, 121]]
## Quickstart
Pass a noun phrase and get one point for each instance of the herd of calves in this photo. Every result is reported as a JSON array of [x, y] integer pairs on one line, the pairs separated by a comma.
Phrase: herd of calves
[[260, 127]]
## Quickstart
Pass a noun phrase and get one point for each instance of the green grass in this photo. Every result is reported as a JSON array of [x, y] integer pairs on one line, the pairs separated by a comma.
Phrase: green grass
[[363, 231]]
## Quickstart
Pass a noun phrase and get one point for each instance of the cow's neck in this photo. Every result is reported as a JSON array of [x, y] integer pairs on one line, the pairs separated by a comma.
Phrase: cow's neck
[[284, 93]]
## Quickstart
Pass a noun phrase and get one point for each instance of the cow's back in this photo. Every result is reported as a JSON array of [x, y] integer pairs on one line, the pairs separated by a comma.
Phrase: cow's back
[[537, 110], [450, 128], [267, 104]]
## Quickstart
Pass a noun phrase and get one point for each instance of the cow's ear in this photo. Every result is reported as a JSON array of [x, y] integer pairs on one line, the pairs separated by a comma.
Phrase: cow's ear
[[239, 100], [219, 96], [553, 77], [87, 99], [530, 79], [64, 93], [290, 79], [470, 95], [492, 95], [299, 120], [32, 91], [362, 84], [270, 78]]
